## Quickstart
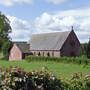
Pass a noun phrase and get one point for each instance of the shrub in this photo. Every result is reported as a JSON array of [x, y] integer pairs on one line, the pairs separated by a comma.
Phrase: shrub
[[17, 79]]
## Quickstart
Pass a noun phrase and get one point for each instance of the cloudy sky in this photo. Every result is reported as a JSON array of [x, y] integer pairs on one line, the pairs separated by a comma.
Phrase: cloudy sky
[[42, 16]]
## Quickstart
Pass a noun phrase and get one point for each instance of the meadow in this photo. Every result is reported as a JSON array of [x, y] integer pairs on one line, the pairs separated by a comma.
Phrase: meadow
[[59, 69]]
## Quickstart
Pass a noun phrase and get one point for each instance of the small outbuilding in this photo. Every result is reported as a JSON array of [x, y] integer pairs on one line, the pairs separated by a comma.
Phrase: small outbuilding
[[19, 50]]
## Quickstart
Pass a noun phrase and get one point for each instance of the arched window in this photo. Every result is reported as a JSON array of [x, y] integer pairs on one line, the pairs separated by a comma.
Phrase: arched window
[[43, 53], [52, 53], [34, 53], [39, 54], [48, 54]]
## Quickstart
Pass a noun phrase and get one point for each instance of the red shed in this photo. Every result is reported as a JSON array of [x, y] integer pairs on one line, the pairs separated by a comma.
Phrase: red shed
[[19, 50]]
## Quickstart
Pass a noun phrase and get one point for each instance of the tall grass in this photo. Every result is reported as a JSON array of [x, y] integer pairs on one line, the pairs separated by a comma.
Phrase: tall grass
[[77, 60], [58, 68]]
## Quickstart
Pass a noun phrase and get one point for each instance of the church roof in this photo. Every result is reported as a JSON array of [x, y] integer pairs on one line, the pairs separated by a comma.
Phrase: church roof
[[48, 41]]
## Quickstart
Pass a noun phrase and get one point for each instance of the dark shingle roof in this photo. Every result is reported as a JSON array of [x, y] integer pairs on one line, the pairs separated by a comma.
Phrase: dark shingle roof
[[48, 41], [23, 46]]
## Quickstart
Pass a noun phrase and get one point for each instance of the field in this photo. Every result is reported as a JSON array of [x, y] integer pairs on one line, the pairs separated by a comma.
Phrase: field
[[60, 69]]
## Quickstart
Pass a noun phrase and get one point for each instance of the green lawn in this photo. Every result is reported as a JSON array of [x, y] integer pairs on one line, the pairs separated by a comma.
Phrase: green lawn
[[59, 69]]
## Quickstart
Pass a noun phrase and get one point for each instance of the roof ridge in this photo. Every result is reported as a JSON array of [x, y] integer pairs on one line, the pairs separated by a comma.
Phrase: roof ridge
[[51, 33]]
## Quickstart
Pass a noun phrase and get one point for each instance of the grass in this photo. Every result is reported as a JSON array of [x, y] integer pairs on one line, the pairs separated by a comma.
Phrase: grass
[[58, 68]]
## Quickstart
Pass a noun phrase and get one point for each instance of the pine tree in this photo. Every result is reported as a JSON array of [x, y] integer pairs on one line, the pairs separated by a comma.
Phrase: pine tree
[[88, 49]]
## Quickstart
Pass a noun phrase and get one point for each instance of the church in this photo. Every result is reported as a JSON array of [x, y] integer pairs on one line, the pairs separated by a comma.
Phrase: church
[[55, 44]]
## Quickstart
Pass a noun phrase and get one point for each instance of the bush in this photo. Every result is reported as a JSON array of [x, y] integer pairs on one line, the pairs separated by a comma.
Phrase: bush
[[78, 81], [17, 79]]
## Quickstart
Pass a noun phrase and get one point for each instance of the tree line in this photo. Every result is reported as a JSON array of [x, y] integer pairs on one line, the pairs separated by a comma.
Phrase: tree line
[[85, 49]]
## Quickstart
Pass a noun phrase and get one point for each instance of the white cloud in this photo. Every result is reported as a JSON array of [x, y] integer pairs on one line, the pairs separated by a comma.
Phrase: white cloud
[[21, 29], [76, 12], [59, 21], [62, 21], [6, 2], [12, 2], [56, 1], [23, 1]]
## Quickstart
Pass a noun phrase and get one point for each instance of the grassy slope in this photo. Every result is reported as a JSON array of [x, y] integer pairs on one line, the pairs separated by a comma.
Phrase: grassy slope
[[57, 68]]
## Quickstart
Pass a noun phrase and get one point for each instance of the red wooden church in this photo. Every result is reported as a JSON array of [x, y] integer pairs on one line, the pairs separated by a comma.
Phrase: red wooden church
[[55, 44]]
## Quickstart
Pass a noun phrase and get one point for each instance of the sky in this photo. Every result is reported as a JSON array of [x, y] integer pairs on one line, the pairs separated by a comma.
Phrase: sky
[[43, 16]]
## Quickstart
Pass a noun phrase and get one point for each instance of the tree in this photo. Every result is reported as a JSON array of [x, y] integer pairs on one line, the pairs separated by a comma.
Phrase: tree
[[88, 49], [84, 49], [5, 29]]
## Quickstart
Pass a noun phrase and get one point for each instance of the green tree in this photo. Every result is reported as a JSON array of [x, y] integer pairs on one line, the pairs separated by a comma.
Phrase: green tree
[[5, 29], [84, 49], [88, 49]]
